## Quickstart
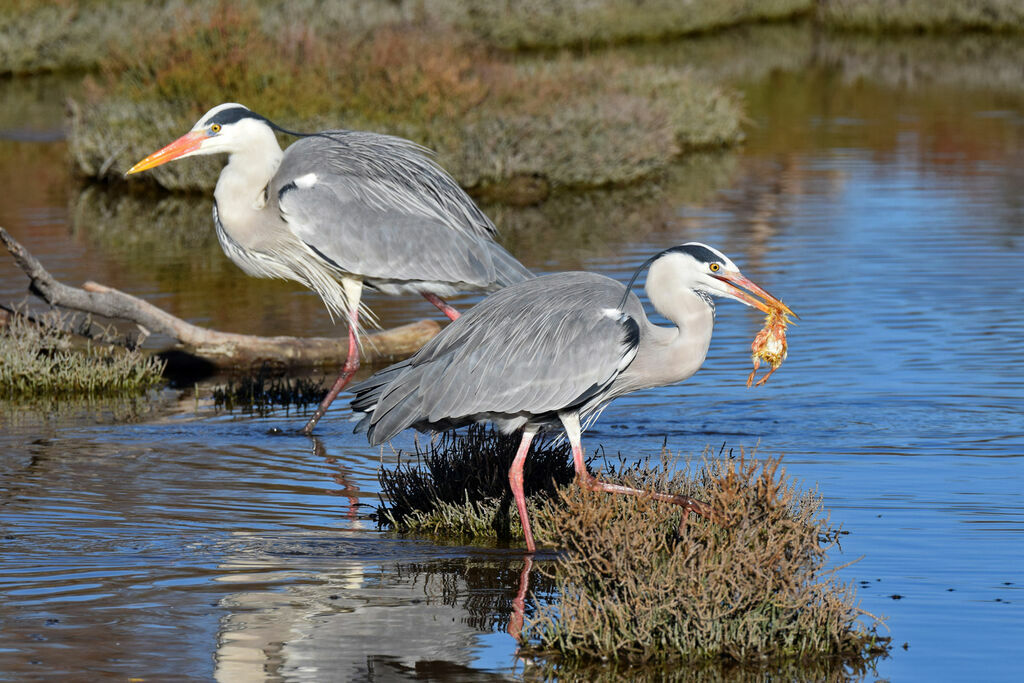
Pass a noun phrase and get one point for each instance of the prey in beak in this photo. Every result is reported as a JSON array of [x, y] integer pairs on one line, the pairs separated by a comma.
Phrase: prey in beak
[[770, 343]]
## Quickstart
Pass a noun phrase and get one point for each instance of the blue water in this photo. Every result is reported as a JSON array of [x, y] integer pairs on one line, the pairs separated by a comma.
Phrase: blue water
[[184, 542]]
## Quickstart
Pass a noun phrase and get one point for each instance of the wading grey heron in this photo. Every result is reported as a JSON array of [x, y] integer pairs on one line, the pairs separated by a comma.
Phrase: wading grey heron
[[555, 350], [341, 210]]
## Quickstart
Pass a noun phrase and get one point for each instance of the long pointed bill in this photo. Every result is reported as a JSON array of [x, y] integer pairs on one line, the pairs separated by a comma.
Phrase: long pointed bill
[[744, 289], [187, 143]]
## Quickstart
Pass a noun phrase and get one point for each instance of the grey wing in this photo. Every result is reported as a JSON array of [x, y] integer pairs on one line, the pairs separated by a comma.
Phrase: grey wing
[[534, 348], [377, 206]]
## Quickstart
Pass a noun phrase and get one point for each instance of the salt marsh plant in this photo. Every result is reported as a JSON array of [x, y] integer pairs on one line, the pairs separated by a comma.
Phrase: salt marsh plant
[[459, 485], [38, 362], [569, 121], [637, 585]]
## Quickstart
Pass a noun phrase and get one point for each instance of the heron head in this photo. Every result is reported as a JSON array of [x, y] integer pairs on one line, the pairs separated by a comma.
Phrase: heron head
[[226, 128], [705, 269]]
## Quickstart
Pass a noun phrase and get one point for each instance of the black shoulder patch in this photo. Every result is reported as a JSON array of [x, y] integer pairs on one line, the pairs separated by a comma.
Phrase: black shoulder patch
[[631, 329], [286, 188], [697, 251]]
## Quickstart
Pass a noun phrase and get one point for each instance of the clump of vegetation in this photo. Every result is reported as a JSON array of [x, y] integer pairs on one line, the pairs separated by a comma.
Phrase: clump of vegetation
[[37, 361], [267, 389], [542, 24], [42, 35], [923, 15], [564, 123], [460, 487], [636, 586]]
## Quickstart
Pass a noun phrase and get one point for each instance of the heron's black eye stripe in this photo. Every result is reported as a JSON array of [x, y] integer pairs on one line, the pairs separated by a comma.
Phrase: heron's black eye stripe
[[699, 252], [233, 115]]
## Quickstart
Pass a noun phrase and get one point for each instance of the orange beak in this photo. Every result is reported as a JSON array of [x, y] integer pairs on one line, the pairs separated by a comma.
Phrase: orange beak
[[744, 290], [189, 142]]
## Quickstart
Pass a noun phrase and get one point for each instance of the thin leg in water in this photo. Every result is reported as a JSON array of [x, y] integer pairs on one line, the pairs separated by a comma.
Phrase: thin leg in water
[[515, 479], [352, 292], [571, 422], [515, 621], [442, 305]]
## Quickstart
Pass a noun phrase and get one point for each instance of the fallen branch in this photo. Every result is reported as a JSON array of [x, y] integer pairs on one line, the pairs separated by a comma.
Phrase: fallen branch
[[222, 349]]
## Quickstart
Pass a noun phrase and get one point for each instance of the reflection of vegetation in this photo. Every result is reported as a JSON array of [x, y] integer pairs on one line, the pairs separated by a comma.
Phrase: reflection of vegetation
[[37, 362], [923, 15], [972, 62], [601, 222], [137, 226], [751, 585], [831, 669], [743, 53], [134, 227], [267, 389], [484, 589]]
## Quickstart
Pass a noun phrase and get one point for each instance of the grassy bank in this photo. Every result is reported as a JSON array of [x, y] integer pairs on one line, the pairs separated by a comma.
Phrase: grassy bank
[[37, 36], [931, 16], [512, 130]]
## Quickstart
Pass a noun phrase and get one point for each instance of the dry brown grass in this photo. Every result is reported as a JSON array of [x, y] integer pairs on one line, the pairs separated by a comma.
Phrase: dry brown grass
[[752, 585], [292, 70]]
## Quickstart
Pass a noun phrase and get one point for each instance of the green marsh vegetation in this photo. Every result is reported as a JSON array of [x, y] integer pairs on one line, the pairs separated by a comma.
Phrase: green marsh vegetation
[[37, 362]]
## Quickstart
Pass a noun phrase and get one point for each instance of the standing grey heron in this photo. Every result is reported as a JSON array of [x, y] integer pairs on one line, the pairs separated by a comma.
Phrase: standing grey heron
[[555, 350], [342, 210]]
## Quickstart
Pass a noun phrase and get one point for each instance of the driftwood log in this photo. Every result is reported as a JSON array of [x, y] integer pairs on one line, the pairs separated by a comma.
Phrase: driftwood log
[[222, 350]]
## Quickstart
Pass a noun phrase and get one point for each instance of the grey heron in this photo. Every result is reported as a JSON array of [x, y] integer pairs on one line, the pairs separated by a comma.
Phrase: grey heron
[[554, 350], [342, 210]]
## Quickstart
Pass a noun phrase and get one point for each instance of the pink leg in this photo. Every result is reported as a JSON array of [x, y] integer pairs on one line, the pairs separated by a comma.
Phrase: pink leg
[[351, 365], [442, 305], [515, 479], [588, 481]]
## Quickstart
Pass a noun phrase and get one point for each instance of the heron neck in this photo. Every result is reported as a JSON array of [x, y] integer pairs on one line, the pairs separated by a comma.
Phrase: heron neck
[[672, 353], [240, 187], [682, 348]]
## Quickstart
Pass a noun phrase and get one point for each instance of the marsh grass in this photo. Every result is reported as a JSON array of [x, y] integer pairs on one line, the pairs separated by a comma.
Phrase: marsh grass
[[753, 585], [634, 586], [918, 16], [37, 363], [459, 484], [570, 121]]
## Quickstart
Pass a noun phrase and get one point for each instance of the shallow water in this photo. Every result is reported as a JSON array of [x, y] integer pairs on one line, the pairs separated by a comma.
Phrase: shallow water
[[167, 540]]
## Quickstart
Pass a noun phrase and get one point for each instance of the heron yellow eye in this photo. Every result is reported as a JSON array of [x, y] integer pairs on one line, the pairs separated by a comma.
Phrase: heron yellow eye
[[215, 128], [714, 267]]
